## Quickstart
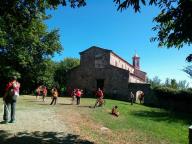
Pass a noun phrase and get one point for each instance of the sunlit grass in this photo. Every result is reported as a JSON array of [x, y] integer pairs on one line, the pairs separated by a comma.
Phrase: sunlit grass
[[136, 123], [156, 124]]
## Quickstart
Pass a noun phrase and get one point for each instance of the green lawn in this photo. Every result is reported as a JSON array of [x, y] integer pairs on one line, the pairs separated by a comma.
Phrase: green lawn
[[150, 125], [136, 123]]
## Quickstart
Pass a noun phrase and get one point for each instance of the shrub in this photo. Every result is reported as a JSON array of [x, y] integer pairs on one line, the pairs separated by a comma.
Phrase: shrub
[[173, 99]]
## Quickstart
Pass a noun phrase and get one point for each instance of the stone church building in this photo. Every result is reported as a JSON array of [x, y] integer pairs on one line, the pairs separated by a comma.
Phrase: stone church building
[[102, 68]]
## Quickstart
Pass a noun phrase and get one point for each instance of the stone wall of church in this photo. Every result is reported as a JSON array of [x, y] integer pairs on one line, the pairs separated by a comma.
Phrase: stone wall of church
[[117, 62], [115, 80], [99, 64], [140, 74], [94, 58], [134, 79]]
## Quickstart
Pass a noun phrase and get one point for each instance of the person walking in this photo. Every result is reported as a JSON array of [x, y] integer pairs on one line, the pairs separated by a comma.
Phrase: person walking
[[55, 95], [73, 95], [78, 94], [132, 98], [44, 91], [38, 92], [10, 99], [99, 94]]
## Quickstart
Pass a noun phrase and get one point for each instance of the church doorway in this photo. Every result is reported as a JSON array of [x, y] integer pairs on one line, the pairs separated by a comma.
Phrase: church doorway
[[100, 83]]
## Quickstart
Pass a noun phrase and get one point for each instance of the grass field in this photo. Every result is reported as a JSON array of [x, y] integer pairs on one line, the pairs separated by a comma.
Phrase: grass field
[[137, 124], [141, 124]]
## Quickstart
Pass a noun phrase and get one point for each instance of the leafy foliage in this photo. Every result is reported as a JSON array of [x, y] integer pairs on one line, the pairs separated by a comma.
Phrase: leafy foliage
[[173, 99], [188, 70], [169, 83], [122, 5], [174, 24], [26, 46], [156, 81], [63, 67]]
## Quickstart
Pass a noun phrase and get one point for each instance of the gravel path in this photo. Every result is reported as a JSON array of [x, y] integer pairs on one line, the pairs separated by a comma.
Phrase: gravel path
[[38, 123], [36, 120]]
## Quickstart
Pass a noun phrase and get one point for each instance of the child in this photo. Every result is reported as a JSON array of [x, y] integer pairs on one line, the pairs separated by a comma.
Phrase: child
[[114, 111]]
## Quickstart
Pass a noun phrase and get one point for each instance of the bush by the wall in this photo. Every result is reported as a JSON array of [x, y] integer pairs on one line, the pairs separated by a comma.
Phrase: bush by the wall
[[180, 100]]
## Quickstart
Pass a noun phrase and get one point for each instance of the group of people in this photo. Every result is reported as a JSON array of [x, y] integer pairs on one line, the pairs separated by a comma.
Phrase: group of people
[[140, 97], [12, 92], [41, 90], [76, 95]]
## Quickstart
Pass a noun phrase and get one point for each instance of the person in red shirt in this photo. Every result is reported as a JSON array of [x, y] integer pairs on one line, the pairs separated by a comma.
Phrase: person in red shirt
[[78, 95], [10, 98], [44, 92], [99, 94], [38, 92]]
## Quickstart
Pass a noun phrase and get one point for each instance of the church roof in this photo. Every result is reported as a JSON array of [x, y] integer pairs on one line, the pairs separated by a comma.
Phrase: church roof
[[95, 47], [122, 59], [106, 50], [141, 78], [110, 51]]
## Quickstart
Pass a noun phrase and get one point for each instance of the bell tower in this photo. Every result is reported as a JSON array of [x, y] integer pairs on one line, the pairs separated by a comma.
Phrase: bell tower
[[136, 61]]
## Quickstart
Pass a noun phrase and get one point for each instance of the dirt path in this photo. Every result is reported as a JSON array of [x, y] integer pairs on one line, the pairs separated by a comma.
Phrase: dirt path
[[38, 122], [41, 120]]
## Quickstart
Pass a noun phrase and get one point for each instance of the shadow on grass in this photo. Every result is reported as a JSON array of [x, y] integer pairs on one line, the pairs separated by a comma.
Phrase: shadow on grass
[[40, 138], [165, 116]]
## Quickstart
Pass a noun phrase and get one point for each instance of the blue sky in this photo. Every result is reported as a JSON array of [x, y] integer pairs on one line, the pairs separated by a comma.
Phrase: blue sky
[[99, 24]]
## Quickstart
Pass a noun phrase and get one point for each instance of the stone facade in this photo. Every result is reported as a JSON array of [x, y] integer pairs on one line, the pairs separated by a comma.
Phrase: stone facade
[[103, 68]]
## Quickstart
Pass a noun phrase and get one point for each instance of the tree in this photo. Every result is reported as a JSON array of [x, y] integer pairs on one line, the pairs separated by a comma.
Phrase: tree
[[174, 84], [173, 23], [183, 84], [155, 82], [25, 44], [188, 70], [63, 67], [167, 82]]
